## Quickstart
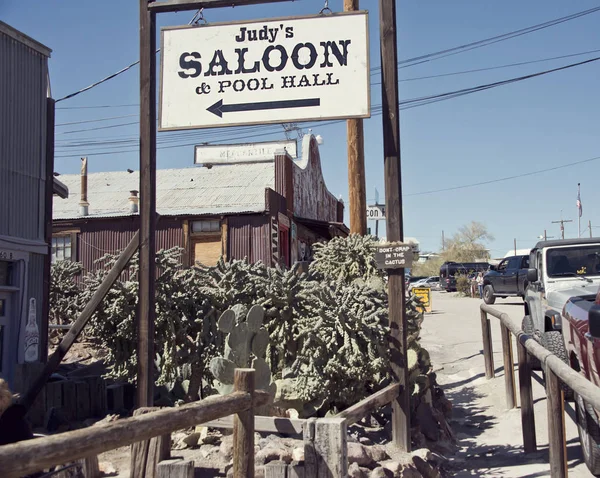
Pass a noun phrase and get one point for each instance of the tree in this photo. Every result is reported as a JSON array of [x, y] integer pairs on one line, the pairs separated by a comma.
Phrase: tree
[[467, 245]]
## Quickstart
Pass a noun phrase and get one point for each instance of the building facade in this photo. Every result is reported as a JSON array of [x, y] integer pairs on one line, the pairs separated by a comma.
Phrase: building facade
[[26, 187], [265, 210]]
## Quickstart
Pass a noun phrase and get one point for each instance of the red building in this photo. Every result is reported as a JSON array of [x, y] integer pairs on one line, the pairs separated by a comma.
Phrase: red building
[[270, 210]]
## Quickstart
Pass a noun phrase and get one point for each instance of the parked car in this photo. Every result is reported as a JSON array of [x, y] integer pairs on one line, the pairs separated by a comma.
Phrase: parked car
[[559, 270], [449, 271], [507, 279], [431, 282], [581, 329], [412, 279]]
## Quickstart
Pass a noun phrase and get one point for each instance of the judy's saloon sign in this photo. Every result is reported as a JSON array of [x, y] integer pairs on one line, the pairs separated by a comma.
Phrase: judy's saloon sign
[[270, 71]]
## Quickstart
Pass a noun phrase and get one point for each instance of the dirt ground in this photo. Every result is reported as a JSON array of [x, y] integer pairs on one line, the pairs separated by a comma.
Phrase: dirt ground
[[491, 442]]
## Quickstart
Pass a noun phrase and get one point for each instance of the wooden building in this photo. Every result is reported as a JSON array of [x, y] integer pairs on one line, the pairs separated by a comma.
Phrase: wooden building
[[270, 210], [26, 188]]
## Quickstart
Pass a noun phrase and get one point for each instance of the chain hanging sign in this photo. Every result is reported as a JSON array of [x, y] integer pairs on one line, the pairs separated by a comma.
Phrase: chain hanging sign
[[271, 71], [394, 255]]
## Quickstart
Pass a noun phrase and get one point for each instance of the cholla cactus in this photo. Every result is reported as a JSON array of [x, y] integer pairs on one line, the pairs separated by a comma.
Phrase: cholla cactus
[[245, 336]]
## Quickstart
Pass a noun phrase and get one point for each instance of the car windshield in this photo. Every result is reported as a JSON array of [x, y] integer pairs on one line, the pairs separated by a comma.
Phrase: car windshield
[[574, 261]]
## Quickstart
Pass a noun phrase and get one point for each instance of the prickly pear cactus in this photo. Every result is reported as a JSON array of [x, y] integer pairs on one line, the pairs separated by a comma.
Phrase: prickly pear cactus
[[245, 346]]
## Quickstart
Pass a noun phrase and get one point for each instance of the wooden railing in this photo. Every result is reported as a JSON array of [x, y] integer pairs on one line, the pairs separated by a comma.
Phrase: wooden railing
[[556, 371], [34, 455]]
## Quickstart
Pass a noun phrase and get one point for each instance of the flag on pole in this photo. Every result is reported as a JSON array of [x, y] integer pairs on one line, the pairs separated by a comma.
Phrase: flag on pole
[[579, 207]]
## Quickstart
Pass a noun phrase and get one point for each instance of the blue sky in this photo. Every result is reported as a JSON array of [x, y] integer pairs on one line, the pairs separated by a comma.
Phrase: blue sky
[[520, 128]]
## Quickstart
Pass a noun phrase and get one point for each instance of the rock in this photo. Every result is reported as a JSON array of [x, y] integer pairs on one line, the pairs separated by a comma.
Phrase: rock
[[426, 470], [354, 471], [358, 454], [423, 453], [106, 468], [377, 453], [365, 441], [298, 455], [428, 424], [207, 450], [381, 472], [177, 439], [292, 413], [226, 447], [272, 452], [409, 471], [192, 439]]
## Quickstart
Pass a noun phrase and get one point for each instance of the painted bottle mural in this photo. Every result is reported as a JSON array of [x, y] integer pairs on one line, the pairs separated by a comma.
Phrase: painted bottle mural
[[32, 334]]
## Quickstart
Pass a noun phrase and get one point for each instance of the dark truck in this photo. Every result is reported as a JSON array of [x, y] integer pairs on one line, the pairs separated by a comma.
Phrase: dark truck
[[509, 278]]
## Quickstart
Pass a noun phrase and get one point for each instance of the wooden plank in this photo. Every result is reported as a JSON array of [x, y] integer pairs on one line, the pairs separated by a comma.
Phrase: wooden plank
[[115, 397], [70, 337], [97, 396], [243, 427], [285, 426], [90, 466], [175, 468], [509, 368], [331, 447], [556, 426], [53, 395], [83, 409], [525, 390], [394, 221], [276, 469], [180, 5], [296, 471], [69, 400], [310, 453], [488, 351], [66, 447], [147, 273], [146, 455], [358, 411]]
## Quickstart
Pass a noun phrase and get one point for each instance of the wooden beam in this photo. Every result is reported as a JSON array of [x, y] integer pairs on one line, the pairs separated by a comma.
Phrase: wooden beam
[[180, 5], [509, 368], [147, 274], [488, 350], [358, 411], [77, 327], [286, 426], [394, 223], [527, 409], [34, 455], [556, 426]]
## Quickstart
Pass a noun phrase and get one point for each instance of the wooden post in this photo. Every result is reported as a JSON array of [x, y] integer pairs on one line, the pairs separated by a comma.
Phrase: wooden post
[[394, 222], [556, 426], [176, 468], [509, 367], [331, 448], [527, 411], [146, 455], [357, 188], [76, 329], [146, 312], [488, 351], [243, 427]]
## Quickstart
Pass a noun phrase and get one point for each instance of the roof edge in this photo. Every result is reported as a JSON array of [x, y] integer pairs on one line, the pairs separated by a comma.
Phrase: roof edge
[[25, 39]]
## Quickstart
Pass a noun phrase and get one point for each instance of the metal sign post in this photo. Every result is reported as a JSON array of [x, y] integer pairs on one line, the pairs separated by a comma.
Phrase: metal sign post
[[394, 222]]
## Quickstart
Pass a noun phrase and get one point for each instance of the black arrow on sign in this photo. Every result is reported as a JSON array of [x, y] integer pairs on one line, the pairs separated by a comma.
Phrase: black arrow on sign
[[219, 108]]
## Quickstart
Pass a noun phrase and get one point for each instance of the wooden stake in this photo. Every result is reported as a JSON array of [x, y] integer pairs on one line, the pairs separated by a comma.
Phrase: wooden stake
[[556, 426], [509, 368], [243, 427], [527, 411], [488, 351], [394, 222], [146, 312], [357, 188]]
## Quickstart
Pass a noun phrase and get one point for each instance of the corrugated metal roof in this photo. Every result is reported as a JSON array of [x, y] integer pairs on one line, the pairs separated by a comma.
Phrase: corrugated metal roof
[[226, 189]]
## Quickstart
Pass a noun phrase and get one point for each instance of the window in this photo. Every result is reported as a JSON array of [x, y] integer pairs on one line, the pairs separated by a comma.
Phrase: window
[[61, 248], [6, 274], [206, 226], [502, 266], [514, 263]]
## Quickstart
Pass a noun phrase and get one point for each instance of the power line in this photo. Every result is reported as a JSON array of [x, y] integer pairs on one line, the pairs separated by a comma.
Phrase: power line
[[95, 120], [423, 100], [507, 178], [413, 61]]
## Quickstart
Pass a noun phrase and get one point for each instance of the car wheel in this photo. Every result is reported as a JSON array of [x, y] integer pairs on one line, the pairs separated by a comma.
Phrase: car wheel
[[488, 295], [589, 434], [554, 342], [529, 329]]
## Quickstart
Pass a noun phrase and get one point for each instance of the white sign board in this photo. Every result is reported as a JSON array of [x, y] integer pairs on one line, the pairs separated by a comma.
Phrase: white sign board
[[271, 71], [376, 213], [241, 153]]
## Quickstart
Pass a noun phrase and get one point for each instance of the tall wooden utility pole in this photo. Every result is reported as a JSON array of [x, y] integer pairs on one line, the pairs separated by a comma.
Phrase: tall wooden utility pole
[[394, 221], [146, 312], [357, 187], [562, 226], [590, 226]]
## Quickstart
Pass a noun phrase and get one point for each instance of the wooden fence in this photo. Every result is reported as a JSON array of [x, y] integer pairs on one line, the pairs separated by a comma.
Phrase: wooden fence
[[556, 371], [34, 455]]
